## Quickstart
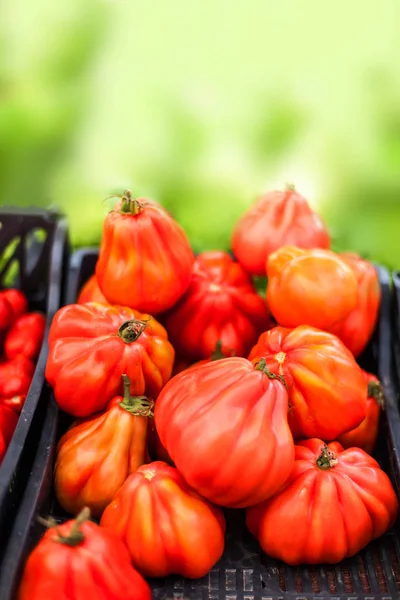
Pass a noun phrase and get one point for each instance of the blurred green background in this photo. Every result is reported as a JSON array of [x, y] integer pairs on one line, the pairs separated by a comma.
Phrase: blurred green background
[[203, 104]]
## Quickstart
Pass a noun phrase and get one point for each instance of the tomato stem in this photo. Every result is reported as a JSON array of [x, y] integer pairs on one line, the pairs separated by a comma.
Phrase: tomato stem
[[261, 365], [326, 459], [130, 205], [75, 536], [139, 406], [130, 331], [375, 390], [290, 187]]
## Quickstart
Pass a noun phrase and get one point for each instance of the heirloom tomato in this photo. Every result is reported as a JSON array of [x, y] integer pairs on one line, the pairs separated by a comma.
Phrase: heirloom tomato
[[167, 528], [221, 304], [334, 503], [8, 423], [310, 287], [276, 219], [92, 345], [327, 389], [224, 425], [81, 561], [145, 258], [91, 292], [95, 457], [25, 337]]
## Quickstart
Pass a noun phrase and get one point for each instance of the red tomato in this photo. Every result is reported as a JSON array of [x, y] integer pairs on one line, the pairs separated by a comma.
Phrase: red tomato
[[335, 502], [17, 300], [145, 259], [25, 336], [8, 423], [156, 449], [166, 526], [95, 457], [14, 402], [221, 304], [365, 435], [92, 345], [276, 219], [224, 425], [91, 292], [80, 560], [6, 313], [16, 376], [327, 389], [310, 287]]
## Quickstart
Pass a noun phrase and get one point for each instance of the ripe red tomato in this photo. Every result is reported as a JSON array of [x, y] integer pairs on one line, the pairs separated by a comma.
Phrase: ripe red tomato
[[310, 287], [95, 457], [224, 425], [16, 376], [166, 526], [334, 503], [276, 219], [327, 389], [221, 304], [80, 560], [145, 259], [8, 423], [91, 292], [17, 300], [25, 337], [92, 345]]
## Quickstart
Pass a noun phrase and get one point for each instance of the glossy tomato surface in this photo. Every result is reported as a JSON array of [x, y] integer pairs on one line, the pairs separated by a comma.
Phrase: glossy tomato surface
[[91, 292], [25, 337], [8, 423]]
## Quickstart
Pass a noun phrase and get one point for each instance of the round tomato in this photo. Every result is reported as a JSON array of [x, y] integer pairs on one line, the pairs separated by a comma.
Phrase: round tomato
[[276, 219], [180, 534], [92, 345], [25, 337], [327, 389], [91, 292], [221, 304], [310, 287], [224, 425], [145, 259], [80, 560], [335, 502]]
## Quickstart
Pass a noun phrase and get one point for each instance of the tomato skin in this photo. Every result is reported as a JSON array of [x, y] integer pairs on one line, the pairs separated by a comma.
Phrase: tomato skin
[[8, 423], [334, 513], [166, 526], [16, 376], [14, 402], [91, 292], [310, 287], [327, 389], [17, 300], [221, 304], [6, 314], [99, 567], [87, 356], [148, 248], [25, 336], [279, 218], [224, 425]]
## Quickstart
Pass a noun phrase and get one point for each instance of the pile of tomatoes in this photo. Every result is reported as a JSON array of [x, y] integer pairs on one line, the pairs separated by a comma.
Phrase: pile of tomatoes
[[192, 393]]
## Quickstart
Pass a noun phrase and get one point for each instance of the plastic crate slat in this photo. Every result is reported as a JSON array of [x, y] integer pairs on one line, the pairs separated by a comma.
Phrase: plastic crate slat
[[372, 575], [388, 569]]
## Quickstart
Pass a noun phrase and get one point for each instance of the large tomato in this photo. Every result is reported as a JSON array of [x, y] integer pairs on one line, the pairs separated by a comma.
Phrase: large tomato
[[91, 292], [166, 526], [95, 457], [145, 259], [276, 219], [221, 304], [327, 389], [81, 561], [224, 425], [92, 345], [335, 502], [310, 287]]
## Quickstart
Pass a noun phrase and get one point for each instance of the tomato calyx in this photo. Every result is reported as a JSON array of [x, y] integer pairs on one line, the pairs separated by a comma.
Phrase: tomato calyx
[[139, 406], [130, 331], [261, 365], [130, 205], [375, 390], [219, 353], [75, 536], [327, 459]]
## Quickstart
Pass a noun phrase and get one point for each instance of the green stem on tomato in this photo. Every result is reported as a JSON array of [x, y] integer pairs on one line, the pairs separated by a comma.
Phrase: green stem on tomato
[[131, 330], [75, 536], [139, 406], [326, 459], [130, 205], [261, 365]]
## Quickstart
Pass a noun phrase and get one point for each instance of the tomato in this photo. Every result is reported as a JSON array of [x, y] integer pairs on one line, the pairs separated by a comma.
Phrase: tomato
[[92, 345], [14, 402], [310, 287], [365, 435], [91, 292], [224, 425], [95, 457], [6, 313], [81, 561], [145, 259], [25, 336], [156, 449], [327, 389], [17, 300], [220, 351], [335, 502], [221, 304], [16, 376], [166, 526], [8, 423], [276, 219]]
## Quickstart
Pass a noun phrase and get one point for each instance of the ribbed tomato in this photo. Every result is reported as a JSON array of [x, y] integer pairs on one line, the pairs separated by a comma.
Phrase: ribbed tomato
[[91, 292], [166, 526], [327, 389], [145, 259], [221, 304], [335, 502], [92, 345], [224, 425], [276, 219]]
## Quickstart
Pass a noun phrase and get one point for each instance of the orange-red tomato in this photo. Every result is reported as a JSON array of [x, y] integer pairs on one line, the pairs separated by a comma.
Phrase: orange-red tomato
[[80, 560], [224, 425], [91, 292], [310, 287], [365, 435], [221, 304], [335, 502], [327, 389], [145, 259], [276, 219], [25, 337], [17, 301], [8, 423], [166, 526], [95, 457]]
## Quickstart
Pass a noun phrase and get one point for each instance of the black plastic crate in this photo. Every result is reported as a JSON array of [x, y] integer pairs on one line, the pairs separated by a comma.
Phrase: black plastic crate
[[396, 319], [244, 572]]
